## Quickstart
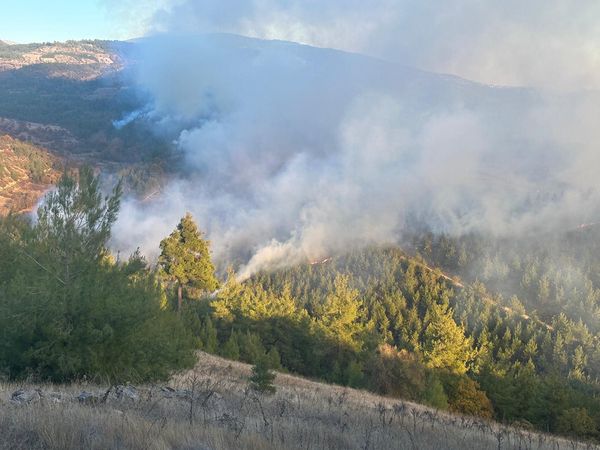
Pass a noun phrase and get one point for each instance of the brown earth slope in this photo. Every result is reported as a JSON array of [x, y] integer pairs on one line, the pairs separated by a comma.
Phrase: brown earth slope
[[26, 172], [81, 60], [48, 136]]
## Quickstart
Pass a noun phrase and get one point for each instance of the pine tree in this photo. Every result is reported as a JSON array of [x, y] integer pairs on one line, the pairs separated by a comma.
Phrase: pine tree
[[251, 348], [231, 348], [208, 336], [340, 313], [579, 362], [445, 344], [274, 359], [74, 224], [185, 259], [262, 377], [69, 309], [354, 374]]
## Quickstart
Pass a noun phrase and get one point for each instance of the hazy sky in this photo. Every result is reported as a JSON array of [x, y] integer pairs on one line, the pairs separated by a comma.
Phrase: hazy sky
[[541, 43], [26, 21]]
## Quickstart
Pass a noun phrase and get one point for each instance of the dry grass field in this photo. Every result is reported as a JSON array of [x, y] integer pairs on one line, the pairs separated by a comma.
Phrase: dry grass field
[[210, 407]]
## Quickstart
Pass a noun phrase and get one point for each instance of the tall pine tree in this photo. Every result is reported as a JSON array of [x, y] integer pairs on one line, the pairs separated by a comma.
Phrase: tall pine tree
[[185, 259]]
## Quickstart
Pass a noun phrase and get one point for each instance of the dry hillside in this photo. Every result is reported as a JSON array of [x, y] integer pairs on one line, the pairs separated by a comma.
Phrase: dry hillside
[[26, 171], [82, 60], [210, 407], [48, 136]]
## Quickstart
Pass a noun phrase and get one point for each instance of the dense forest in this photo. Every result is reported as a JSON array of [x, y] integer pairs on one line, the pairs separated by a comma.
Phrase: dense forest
[[505, 329], [383, 320]]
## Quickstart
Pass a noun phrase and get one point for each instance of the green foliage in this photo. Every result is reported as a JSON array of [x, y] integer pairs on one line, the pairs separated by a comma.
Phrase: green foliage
[[398, 329], [273, 359], [353, 375], [576, 422], [67, 310], [251, 348], [208, 336], [339, 315], [262, 377], [185, 259], [465, 397], [434, 394], [74, 222], [445, 345], [231, 348]]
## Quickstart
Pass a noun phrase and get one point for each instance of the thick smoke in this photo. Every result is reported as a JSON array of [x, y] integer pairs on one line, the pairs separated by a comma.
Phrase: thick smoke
[[293, 153], [550, 43]]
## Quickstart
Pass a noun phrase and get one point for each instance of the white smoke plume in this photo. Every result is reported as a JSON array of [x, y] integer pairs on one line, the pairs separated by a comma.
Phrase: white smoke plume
[[293, 153], [550, 43]]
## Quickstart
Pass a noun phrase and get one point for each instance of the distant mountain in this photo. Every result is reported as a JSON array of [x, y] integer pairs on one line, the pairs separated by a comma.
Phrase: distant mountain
[[81, 60]]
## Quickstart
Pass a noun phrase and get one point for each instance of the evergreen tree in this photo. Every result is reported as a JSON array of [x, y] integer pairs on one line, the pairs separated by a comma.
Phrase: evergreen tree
[[251, 348], [262, 377], [185, 259], [274, 359], [576, 422], [434, 394], [339, 314], [208, 336], [231, 348], [445, 344], [74, 225], [354, 374], [68, 310]]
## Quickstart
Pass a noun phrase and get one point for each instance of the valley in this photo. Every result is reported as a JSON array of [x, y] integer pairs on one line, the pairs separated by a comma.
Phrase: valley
[[402, 246]]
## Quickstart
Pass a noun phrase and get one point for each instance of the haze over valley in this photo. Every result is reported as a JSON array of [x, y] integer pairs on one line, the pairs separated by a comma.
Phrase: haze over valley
[[399, 197]]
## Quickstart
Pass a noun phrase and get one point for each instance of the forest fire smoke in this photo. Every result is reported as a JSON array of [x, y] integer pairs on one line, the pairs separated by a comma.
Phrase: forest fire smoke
[[294, 153]]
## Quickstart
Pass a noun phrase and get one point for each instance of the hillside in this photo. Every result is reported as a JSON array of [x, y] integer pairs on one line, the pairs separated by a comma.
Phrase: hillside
[[77, 89], [26, 172], [495, 326], [210, 408], [52, 137], [79, 60], [372, 318]]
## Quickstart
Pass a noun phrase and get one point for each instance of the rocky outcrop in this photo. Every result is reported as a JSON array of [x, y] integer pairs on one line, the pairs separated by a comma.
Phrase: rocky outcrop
[[24, 396]]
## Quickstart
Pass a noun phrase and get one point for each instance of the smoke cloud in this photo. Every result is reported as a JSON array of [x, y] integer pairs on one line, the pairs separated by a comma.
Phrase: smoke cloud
[[549, 43], [295, 153]]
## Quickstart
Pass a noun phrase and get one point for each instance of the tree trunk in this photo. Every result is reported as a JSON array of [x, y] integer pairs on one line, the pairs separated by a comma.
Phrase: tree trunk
[[179, 298]]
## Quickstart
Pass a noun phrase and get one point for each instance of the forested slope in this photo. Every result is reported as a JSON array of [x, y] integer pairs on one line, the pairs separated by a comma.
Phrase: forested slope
[[381, 319]]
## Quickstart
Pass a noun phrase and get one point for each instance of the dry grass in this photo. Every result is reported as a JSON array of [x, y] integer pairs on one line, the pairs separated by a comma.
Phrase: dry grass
[[211, 408]]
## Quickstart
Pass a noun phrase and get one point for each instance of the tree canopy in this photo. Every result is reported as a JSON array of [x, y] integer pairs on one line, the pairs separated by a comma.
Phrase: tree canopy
[[185, 259], [68, 310]]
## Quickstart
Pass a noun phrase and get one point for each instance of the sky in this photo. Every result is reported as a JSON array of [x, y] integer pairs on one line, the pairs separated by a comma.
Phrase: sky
[[25, 21]]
